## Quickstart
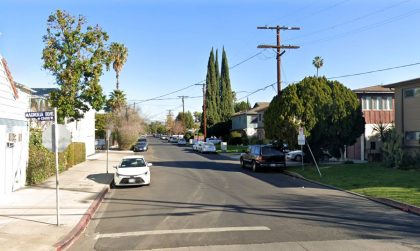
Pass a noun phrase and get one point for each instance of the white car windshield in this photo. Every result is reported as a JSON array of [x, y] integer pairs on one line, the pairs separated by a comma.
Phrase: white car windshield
[[134, 162]]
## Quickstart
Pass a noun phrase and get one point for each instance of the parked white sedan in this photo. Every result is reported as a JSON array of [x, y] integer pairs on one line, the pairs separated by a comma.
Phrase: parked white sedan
[[197, 146], [295, 155], [132, 170], [208, 148]]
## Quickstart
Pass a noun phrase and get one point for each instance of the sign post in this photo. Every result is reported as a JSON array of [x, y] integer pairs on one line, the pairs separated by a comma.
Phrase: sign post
[[55, 138], [57, 185], [108, 134], [301, 142]]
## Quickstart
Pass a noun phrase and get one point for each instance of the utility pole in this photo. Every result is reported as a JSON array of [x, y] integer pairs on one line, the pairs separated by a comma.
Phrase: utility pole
[[182, 97], [204, 111], [278, 47]]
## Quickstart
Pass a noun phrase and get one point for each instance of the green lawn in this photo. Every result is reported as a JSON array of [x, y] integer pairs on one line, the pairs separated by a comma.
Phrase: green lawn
[[369, 179]]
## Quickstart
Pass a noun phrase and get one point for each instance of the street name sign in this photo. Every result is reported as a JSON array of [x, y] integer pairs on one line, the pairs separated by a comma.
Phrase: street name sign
[[41, 116]]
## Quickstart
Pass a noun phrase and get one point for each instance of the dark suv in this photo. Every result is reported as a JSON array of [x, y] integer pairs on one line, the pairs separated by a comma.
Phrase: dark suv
[[258, 156]]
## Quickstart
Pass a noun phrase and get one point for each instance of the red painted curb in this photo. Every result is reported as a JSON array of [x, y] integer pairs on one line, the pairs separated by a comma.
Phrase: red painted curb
[[78, 229]]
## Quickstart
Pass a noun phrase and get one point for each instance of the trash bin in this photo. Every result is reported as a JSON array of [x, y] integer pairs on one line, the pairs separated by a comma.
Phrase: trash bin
[[223, 146]]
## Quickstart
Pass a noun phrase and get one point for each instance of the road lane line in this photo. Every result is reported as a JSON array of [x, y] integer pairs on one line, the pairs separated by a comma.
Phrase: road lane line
[[182, 231]]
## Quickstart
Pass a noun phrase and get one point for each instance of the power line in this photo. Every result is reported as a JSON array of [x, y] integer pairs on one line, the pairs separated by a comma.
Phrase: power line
[[373, 71], [200, 82], [258, 90], [245, 60], [366, 27], [349, 21]]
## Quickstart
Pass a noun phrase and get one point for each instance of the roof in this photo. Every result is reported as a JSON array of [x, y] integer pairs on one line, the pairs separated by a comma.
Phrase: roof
[[24, 88], [374, 89], [43, 92], [258, 107], [402, 83]]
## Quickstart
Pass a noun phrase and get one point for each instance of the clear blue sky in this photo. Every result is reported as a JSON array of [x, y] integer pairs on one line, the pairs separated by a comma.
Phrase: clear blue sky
[[169, 43]]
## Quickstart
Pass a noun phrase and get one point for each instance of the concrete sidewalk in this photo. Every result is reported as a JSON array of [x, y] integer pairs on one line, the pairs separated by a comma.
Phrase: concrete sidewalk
[[28, 216]]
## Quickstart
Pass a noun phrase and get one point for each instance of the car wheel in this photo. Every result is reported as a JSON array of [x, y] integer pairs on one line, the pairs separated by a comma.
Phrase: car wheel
[[298, 158], [241, 160], [112, 185], [254, 166]]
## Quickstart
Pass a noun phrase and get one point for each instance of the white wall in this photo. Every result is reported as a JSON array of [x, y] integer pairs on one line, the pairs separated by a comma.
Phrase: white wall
[[13, 158], [84, 131]]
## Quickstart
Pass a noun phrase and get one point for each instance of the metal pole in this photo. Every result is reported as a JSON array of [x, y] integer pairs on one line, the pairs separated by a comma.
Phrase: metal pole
[[204, 111], [57, 189], [320, 175], [301, 150], [107, 150], [278, 62]]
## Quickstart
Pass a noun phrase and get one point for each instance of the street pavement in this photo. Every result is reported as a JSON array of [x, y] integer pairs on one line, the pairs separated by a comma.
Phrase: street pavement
[[208, 202], [28, 216]]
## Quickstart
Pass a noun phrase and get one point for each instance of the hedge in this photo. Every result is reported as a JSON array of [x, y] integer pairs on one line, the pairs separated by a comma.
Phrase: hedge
[[41, 163]]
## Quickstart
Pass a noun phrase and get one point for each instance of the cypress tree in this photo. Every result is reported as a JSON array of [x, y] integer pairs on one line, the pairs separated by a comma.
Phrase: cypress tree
[[218, 84], [226, 100], [211, 92]]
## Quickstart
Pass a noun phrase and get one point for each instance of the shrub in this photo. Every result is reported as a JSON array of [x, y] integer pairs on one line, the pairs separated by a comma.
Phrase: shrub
[[410, 160], [238, 137], [392, 151], [41, 162], [188, 136]]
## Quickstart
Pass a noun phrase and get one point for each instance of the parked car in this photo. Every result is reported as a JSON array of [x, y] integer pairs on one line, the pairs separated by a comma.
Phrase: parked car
[[182, 142], [295, 155], [141, 139], [173, 140], [208, 148], [132, 170], [213, 140], [100, 144], [259, 156], [163, 137], [141, 146], [197, 145]]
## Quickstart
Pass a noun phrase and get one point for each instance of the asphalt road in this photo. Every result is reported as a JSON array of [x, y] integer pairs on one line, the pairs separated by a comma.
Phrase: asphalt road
[[207, 202]]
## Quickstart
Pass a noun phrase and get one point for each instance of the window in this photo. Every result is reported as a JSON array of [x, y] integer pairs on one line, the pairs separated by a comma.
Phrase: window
[[372, 145], [412, 92], [260, 117], [366, 103], [411, 136], [387, 103], [379, 105]]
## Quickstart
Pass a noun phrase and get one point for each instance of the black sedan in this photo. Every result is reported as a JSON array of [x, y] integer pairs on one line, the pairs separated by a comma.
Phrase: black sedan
[[141, 147]]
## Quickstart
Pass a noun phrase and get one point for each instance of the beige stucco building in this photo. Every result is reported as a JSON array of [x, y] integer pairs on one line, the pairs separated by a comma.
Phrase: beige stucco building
[[407, 111]]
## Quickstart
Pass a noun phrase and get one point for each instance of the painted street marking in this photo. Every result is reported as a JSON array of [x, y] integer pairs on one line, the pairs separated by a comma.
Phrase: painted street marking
[[183, 231]]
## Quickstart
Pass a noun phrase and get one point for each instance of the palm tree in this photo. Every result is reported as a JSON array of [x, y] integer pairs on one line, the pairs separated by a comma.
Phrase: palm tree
[[318, 62], [116, 101], [118, 54]]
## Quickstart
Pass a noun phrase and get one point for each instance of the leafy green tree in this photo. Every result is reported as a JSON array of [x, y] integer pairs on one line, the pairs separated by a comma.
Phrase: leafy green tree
[[211, 92], [226, 98], [186, 118], [75, 56], [116, 101], [197, 116], [100, 125], [329, 112], [318, 62], [242, 106], [118, 54]]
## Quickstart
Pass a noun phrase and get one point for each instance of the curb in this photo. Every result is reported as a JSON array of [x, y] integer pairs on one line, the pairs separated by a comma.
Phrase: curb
[[81, 225], [388, 202]]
